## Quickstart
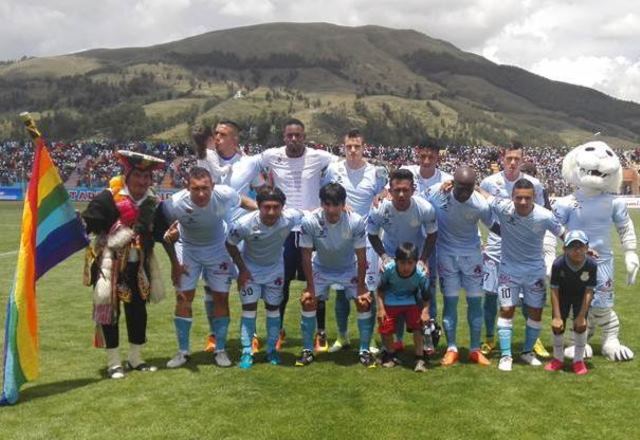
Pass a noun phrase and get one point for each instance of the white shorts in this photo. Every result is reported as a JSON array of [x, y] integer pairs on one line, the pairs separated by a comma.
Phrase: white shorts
[[490, 269], [603, 295], [323, 282], [217, 270], [532, 286], [271, 293], [372, 277], [460, 272]]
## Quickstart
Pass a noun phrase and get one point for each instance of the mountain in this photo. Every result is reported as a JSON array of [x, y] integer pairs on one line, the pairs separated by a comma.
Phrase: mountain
[[396, 85]]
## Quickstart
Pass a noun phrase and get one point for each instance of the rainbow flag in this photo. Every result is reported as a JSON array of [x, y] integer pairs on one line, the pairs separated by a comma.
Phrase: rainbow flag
[[51, 231]]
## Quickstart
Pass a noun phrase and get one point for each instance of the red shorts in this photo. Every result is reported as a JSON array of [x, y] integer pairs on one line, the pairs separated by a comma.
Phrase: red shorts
[[411, 316]]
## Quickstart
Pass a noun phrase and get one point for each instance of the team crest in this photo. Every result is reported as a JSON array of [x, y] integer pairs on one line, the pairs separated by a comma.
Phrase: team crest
[[584, 276], [224, 266], [278, 281]]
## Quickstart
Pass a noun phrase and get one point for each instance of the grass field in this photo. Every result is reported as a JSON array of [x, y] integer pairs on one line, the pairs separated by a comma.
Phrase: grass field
[[333, 398]]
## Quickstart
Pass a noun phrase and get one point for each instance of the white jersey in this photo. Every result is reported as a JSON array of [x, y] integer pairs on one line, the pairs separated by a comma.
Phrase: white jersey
[[500, 187], [411, 225], [202, 226], [522, 237], [458, 222], [297, 177], [262, 250], [361, 184], [217, 165], [421, 184], [594, 215], [334, 244]]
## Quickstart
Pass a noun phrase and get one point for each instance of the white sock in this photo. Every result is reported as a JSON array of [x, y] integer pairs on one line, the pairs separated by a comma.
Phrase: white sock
[[558, 346], [113, 357], [135, 358], [581, 341]]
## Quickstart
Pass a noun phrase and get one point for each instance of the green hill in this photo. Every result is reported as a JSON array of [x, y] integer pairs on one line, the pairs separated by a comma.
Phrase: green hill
[[397, 85]]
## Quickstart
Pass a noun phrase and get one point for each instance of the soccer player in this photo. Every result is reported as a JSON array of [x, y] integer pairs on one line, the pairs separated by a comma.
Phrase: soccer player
[[403, 291], [500, 185], [573, 280], [364, 184], [404, 218], [261, 269], [339, 240], [201, 211], [460, 258], [297, 170], [522, 227]]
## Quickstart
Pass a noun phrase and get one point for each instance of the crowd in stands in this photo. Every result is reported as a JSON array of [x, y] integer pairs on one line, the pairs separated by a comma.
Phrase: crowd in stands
[[94, 162]]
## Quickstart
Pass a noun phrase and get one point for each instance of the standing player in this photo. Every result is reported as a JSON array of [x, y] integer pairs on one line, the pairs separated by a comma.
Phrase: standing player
[[500, 185], [261, 267], [201, 211], [339, 240], [460, 258], [297, 170], [522, 227], [364, 183], [573, 280]]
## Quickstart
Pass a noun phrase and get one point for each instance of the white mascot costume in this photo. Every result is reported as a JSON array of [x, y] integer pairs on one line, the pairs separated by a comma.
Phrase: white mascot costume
[[595, 171]]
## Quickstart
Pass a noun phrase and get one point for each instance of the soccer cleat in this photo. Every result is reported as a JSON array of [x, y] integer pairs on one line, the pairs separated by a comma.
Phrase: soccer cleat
[[505, 364], [367, 360], [530, 358], [340, 344], [554, 365], [487, 346], [451, 357], [398, 346], [389, 360], [246, 361], [281, 339], [178, 360], [273, 358], [580, 368], [373, 347], [477, 357], [305, 358], [255, 344], [210, 346], [539, 349], [321, 345], [421, 366], [116, 372], [221, 359]]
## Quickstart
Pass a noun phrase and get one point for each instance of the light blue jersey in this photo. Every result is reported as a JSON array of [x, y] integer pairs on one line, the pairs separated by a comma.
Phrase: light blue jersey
[[262, 250], [334, 244], [202, 226], [458, 222], [361, 184], [399, 291], [423, 185], [411, 225], [522, 237], [500, 187]]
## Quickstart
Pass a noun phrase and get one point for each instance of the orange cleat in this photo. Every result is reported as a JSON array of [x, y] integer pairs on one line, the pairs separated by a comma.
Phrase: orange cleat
[[281, 339], [450, 358], [255, 344], [210, 346], [477, 357]]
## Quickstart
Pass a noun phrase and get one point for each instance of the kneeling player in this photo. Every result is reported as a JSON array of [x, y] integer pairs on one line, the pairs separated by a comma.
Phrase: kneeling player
[[339, 240], [573, 279], [261, 267], [403, 292]]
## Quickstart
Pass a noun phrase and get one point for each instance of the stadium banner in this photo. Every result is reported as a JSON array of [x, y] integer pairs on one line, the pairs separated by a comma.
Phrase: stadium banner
[[11, 193], [86, 194]]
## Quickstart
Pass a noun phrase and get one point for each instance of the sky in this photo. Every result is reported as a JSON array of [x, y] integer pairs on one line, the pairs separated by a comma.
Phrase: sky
[[593, 43]]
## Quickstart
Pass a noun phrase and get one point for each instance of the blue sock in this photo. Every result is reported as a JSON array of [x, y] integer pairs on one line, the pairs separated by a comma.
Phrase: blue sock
[[183, 328], [490, 312], [221, 326], [531, 333], [343, 308], [505, 331], [400, 327], [365, 329], [450, 320], [208, 310], [273, 329], [308, 328], [474, 318], [247, 330]]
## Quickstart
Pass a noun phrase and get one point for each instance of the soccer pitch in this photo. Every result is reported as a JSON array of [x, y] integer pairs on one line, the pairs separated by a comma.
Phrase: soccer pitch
[[333, 398]]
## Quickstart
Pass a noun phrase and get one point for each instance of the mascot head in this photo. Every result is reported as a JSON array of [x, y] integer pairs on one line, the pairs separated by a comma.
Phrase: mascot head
[[593, 166]]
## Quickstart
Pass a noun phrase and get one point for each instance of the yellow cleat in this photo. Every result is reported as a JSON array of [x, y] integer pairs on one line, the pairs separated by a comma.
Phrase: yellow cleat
[[487, 347], [210, 346], [539, 349], [450, 358]]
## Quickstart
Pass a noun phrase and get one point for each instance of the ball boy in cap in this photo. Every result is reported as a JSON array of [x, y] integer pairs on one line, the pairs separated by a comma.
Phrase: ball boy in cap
[[573, 279]]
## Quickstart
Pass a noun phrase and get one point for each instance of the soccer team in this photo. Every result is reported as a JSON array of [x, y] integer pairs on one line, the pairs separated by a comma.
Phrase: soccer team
[[380, 240]]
